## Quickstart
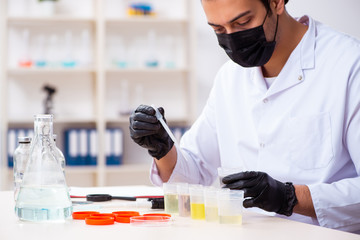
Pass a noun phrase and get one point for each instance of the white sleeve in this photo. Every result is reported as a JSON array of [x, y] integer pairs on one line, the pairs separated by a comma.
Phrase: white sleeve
[[337, 205], [199, 156]]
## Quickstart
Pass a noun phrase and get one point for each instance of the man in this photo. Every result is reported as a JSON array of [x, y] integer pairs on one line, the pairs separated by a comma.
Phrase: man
[[286, 108]]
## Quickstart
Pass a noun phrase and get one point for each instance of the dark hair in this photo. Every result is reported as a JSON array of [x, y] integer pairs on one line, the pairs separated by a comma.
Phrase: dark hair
[[267, 4]]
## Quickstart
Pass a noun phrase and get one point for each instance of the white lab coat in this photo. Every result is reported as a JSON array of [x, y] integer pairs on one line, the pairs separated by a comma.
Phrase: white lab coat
[[304, 129]]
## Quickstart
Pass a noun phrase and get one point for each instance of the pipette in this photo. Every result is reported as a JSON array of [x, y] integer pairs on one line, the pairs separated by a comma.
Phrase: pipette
[[159, 116]]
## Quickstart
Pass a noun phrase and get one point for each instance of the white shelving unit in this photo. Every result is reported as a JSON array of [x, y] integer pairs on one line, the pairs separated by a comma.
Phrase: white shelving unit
[[89, 96]]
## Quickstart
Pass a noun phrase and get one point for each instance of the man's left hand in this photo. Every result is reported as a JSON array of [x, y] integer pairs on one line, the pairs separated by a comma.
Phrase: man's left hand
[[263, 191]]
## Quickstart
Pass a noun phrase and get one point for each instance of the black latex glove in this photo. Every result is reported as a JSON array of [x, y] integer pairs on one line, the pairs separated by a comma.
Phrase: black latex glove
[[147, 131], [263, 191]]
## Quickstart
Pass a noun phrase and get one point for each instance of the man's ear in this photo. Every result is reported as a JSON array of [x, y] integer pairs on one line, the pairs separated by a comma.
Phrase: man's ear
[[278, 6]]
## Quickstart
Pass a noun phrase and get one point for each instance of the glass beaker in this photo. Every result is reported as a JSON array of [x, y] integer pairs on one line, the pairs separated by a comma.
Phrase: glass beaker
[[43, 194]]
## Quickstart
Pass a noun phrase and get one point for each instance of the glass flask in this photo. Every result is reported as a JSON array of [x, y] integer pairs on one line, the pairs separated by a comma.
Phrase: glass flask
[[60, 154], [43, 195], [21, 157]]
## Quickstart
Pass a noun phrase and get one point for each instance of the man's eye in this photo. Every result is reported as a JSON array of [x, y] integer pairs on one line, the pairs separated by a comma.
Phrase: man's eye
[[243, 22], [219, 30]]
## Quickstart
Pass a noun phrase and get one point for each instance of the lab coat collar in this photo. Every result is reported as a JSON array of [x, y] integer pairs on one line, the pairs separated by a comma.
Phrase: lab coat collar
[[302, 57], [307, 44]]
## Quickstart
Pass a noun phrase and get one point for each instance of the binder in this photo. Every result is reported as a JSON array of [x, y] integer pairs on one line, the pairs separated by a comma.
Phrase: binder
[[114, 146], [83, 147], [92, 147], [12, 142], [71, 147], [108, 147], [117, 146]]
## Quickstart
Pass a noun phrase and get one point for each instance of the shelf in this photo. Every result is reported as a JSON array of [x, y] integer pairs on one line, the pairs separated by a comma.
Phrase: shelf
[[71, 170], [125, 120], [49, 20], [80, 170], [147, 70], [20, 71], [149, 19], [56, 120], [126, 168], [90, 95]]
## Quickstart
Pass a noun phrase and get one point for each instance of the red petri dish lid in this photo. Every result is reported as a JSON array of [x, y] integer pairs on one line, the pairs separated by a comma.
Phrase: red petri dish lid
[[150, 220], [126, 213], [81, 215], [120, 219], [157, 214], [104, 220], [103, 215]]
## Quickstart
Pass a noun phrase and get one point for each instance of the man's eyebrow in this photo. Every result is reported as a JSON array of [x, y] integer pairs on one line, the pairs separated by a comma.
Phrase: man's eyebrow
[[232, 20]]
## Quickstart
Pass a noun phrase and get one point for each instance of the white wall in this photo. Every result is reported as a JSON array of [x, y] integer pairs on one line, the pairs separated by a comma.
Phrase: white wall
[[342, 15]]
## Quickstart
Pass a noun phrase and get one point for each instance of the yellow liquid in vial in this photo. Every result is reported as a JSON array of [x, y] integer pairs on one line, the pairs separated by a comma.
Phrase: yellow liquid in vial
[[197, 210], [230, 219], [211, 214], [171, 203]]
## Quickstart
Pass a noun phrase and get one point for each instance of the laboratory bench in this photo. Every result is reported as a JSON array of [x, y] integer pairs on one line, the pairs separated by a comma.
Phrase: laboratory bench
[[255, 225]]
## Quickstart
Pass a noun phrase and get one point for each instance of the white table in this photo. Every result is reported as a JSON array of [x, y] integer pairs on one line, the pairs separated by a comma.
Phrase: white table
[[255, 226]]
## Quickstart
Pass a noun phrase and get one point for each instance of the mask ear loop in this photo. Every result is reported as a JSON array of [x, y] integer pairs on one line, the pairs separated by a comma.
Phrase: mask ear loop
[[265, 17], [277, 23]]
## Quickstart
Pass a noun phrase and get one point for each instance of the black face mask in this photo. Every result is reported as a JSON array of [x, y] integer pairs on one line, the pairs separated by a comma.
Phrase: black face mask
[[248, 48]]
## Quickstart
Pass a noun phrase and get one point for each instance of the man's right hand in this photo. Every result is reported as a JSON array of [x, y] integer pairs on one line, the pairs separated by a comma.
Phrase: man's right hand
[[147, 131]]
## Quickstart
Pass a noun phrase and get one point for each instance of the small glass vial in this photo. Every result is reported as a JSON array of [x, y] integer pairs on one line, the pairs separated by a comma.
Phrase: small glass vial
[[183, 199], [230, 205], [211, 204], [197, 205], [171, 198], [21, 157]]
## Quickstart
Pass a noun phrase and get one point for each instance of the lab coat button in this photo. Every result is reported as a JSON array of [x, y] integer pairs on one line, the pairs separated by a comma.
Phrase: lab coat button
[[265, 100], [300, 77]]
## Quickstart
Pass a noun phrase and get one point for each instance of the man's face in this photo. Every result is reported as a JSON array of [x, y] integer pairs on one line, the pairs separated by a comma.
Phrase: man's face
[[228, 16]]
